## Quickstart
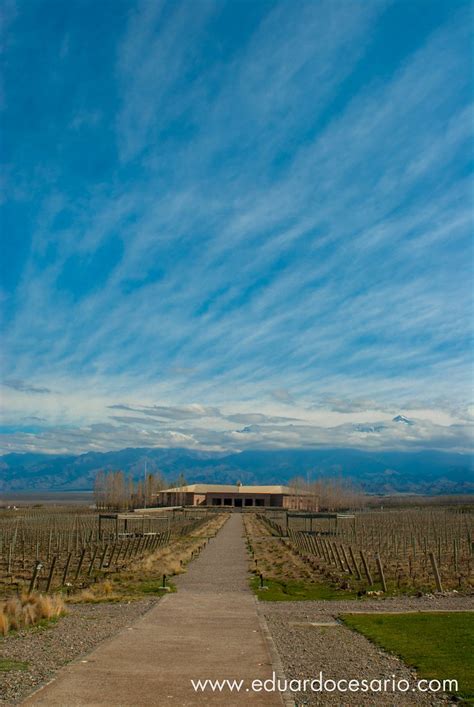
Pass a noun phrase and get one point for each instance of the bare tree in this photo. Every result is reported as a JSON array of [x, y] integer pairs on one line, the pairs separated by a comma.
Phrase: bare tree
[[100, 490], [325, 493], [114, 490]]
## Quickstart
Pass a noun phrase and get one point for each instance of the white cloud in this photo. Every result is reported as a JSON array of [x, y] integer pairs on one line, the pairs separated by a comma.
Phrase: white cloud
[[332, 290]]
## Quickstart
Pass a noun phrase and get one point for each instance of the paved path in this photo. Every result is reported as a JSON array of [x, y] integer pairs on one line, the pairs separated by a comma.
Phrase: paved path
[[208, 629]]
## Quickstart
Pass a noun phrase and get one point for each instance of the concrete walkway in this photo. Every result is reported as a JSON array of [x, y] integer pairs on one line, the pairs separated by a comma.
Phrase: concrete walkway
[[208, 629]]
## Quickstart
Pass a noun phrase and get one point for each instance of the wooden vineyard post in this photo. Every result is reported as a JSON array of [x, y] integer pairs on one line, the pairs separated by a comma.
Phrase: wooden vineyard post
[[315, 542], [137, 546], [356, 567], [13, 543], [102, 559], [127, 544], [91, 566], [79, 566], [66, 568], [366, 569], [332, 553], [76, 530], [314, 546], [51, 573], [338, 557], [118, 554], [23, 547], [112, 553], [439, 586], [307, 547], [346, 559], [380, 569], [36, 571], [10, 552]]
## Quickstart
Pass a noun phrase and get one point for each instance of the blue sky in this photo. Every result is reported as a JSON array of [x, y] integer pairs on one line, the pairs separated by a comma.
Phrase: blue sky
[[234, 224]]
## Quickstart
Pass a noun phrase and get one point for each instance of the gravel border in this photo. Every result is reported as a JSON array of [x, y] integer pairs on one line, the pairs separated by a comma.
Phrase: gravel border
[[340, 653], [47, 650]]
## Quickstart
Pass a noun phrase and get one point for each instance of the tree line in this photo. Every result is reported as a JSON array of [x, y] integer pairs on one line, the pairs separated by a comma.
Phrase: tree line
[[328, 493], [115, 490]]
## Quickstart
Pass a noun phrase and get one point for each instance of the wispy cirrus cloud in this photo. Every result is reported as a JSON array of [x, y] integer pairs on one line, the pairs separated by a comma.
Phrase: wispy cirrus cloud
[[182, 412], [24, 387], [274, 230]]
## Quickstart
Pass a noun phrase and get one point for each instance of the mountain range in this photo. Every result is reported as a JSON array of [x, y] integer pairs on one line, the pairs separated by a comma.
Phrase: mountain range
[[427, 472]]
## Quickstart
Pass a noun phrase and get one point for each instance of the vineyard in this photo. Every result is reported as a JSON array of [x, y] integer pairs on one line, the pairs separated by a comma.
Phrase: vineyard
[[394, 551], [46, 550], [388, 551]]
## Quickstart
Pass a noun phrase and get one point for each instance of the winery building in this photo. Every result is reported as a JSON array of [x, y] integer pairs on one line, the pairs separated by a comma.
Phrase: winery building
[[237, 496]]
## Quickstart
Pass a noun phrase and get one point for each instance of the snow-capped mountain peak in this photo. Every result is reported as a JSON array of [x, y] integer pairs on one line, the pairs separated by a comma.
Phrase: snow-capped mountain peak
[[403, 420]]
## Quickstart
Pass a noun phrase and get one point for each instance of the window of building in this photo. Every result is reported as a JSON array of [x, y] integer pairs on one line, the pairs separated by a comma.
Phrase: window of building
[[259, 502], [227, 501], [249, 501], [216, 501]]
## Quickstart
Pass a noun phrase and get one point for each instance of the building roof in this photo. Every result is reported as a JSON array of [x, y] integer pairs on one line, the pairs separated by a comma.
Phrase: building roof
[[229, 488]]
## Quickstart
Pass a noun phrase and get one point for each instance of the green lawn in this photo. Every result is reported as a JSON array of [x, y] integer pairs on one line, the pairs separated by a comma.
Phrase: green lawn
[[297, 591], [438, 645]]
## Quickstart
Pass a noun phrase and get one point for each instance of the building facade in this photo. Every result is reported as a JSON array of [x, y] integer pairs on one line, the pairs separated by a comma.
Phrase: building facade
[[237, 496]]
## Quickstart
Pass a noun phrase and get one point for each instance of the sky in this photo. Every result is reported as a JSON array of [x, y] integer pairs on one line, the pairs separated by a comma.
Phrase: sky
[[235, 224]]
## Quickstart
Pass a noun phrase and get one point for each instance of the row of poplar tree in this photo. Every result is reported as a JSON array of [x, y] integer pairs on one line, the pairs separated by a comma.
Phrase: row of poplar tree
[[115, 490]]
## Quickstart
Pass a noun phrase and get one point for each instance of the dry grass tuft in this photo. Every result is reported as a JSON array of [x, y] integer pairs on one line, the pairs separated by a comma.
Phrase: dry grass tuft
[[49, 607], [103, 591], [29, 610], [4, 624], [106, 588], [30, 617], [87, 595]]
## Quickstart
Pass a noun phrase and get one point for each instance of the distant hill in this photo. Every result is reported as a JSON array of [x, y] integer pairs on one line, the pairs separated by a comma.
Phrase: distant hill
[[427, 472]]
